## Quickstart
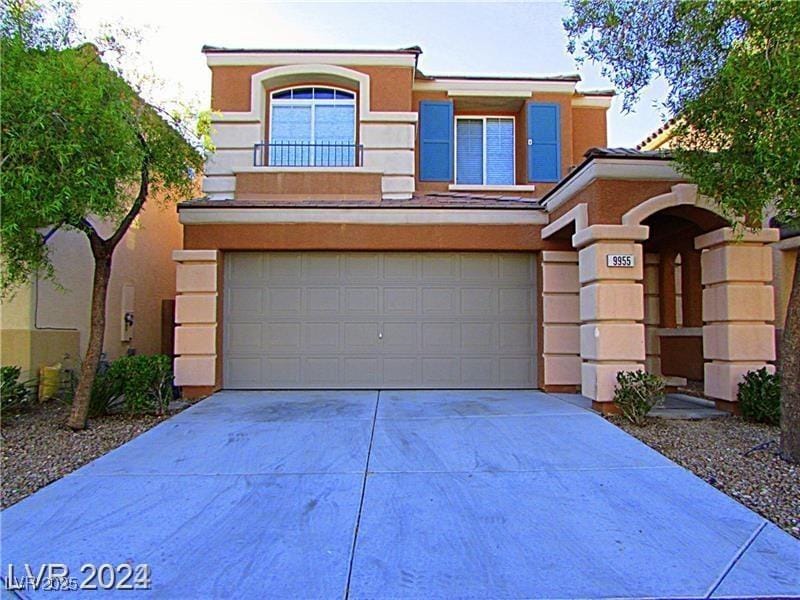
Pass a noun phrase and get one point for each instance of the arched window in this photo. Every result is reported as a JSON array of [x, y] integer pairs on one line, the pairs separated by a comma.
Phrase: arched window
[[312, 127]]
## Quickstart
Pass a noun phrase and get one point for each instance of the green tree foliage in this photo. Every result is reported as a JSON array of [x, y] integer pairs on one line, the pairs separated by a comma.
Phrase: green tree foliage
[[81, 150], [733, 70]]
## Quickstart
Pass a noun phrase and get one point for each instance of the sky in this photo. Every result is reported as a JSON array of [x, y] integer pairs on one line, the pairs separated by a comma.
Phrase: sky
[[488, 38]]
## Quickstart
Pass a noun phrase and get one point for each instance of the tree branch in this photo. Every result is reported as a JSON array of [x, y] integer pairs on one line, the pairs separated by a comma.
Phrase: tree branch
[[86, 227], [144, 188], [51, 233]]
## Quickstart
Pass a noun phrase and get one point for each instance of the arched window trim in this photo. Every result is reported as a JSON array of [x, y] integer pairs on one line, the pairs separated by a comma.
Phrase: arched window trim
[[334, 100]]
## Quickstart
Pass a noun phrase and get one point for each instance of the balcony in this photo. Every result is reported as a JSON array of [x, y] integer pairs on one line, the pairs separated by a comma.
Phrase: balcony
[[307, 155], [301, 170]]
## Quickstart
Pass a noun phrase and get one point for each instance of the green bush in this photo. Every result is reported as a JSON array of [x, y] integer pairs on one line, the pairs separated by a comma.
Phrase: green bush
[[14, 394], [637, 393], [759, 397], [144, 381]]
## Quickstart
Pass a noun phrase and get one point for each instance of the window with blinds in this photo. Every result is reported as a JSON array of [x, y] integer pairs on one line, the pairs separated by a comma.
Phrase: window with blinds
[[312, 127], [484, 151]]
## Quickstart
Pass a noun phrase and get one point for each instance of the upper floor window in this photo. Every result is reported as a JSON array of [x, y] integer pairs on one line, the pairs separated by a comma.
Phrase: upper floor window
[[484, 150], [312, 126]]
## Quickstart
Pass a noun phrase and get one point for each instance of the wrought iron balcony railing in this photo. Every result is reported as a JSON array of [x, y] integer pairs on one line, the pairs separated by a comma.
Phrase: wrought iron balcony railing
[[305, 154]]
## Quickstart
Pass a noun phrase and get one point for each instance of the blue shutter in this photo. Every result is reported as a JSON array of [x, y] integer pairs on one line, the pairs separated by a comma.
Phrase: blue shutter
[[435, 140], [544, 153], [499, 151], [469, 151]]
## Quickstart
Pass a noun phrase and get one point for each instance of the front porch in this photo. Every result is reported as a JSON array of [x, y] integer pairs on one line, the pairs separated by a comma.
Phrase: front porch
[[659, 282]]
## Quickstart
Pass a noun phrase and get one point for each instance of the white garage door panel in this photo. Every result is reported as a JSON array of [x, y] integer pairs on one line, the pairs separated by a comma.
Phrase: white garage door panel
[[367, 320]]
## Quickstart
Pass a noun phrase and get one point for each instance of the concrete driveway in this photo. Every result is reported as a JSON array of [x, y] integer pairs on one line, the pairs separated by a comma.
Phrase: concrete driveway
[[400, 495]]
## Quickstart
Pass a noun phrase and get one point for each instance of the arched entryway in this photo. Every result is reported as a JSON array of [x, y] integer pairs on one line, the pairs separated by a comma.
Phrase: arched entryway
[[673, 293], [665, 286]]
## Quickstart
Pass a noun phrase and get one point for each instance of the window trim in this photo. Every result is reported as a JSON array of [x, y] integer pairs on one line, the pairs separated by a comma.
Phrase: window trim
[[484, 118], [313, 102]]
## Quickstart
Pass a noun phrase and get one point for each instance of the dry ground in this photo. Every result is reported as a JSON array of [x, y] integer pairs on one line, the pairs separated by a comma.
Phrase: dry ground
[[37, 448]]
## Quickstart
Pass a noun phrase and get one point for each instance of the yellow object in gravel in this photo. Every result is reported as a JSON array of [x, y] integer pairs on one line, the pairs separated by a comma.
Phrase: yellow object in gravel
[[49, 381]]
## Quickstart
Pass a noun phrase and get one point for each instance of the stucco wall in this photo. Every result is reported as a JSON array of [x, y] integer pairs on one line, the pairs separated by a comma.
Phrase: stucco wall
[[390, 87], [589, 130], [49, 319], [387, 139]]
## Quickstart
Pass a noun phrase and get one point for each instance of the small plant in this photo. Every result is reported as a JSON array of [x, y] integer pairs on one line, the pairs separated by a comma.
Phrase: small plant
[[105, 391], [145, 382], [759, 397], [637, 393], [14, 394]]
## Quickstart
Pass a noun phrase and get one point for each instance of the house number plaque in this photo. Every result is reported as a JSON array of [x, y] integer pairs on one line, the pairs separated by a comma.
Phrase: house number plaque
[[620, 260]]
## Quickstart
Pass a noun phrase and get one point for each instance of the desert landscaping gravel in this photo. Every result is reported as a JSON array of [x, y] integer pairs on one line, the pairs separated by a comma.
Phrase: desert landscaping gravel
[[37, 448], [721, 452]]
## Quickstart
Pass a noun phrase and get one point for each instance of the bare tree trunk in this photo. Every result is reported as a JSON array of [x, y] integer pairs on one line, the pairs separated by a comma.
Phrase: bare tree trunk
[[102, 251], [790, 374], [102, 274]]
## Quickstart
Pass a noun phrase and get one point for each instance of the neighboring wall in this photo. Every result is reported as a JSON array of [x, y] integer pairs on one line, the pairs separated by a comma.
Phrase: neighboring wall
[[25, 346], [48, 320]]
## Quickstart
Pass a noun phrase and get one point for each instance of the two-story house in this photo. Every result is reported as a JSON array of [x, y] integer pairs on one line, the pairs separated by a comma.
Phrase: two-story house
[[366, 225]]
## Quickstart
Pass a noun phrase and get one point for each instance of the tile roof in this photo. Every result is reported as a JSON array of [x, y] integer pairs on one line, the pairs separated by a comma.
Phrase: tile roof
[[663, 129], [592, 153], [568, 77], [599, 92], [626, 153], [429, 200]]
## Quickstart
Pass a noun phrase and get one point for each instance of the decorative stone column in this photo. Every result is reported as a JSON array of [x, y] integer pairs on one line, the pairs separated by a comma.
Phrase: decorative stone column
[[561, 321], [197, 286], [611, 309], [738, 309]]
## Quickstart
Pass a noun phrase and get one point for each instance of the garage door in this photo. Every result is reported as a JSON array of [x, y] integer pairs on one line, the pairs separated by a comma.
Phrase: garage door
[[379, 320]]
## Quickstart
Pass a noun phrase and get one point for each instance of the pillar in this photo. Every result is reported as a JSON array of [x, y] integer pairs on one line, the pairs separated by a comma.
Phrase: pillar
[[738, 309], [668, 290], [561, 321], [197, 287], [652, 313], [611, 311]]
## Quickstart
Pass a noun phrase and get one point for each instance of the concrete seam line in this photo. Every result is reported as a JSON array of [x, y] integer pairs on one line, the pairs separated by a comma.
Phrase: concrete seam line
[[456, 472], [234, 474], [361, 502], [583, 414], [739, 553], [525, 471]]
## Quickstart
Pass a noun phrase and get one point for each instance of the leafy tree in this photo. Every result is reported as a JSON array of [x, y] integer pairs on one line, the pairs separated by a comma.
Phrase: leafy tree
[[733, 70], [81, 151]]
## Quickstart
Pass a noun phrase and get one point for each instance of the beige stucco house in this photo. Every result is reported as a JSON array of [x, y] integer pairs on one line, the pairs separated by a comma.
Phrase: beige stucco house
[[366, 225], [47, 322]]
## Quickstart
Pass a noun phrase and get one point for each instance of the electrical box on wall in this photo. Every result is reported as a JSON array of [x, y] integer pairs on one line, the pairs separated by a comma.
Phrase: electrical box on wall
[[127, 316]]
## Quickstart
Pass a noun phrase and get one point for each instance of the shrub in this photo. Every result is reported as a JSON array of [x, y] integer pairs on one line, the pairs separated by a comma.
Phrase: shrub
[[759, 397], [105, 391], [637, 393], [14, 394], [145, 382]]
